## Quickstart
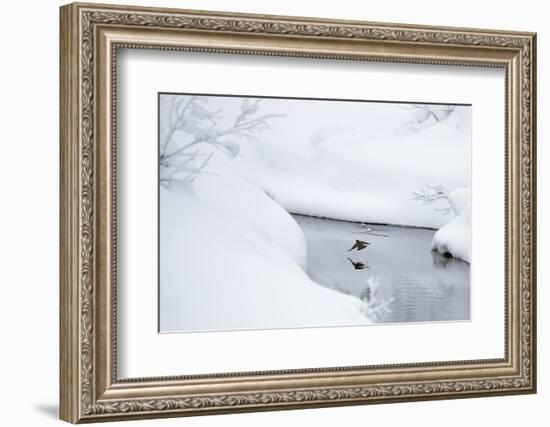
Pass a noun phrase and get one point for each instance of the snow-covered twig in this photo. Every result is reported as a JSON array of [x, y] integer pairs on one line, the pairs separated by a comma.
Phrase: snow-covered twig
[[373, 302], [425, 115], [190, 115], [431, 194]]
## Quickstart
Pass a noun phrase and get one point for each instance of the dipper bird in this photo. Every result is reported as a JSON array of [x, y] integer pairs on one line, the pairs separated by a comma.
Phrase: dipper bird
[[359, 245], [357, 265]]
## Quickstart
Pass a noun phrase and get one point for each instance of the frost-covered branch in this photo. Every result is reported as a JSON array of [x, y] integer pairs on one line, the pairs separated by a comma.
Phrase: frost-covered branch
[[198, 127], [246, 124], [422, 115], [182, 110], [186, 165], [373, 303], [431, 194]]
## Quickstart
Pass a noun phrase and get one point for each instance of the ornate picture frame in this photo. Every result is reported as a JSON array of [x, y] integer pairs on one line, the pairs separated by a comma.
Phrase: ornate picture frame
[[91, 35]]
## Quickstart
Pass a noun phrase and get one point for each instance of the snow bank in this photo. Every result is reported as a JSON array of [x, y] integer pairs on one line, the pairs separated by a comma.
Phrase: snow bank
[[353, 176], [231, 259], [454, 238]]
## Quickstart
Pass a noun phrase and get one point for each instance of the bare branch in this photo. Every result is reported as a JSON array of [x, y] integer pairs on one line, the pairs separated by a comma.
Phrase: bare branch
[[432, 193], [191, 116], [421, 114]]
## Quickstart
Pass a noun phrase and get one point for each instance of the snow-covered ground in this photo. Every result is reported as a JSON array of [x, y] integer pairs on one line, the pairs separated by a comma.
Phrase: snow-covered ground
[[361, 170], [232, 258], [231, 255]]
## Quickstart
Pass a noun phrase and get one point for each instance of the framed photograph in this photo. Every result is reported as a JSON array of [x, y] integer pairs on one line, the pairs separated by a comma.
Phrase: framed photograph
[[267, 212]]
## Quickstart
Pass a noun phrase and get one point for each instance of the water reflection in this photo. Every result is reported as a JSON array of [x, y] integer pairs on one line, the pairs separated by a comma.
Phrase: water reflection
[[396, 274], [357, 265]]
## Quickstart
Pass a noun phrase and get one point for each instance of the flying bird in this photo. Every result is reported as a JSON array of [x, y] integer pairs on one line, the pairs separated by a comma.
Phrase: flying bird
[[357, 265], [359, 245]]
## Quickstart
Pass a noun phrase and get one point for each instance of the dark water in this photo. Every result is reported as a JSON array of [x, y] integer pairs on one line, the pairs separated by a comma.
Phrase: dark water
[[398, 276]]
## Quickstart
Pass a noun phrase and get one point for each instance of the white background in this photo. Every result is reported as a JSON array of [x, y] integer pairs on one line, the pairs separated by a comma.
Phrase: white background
[[29, 171], [144, 353]]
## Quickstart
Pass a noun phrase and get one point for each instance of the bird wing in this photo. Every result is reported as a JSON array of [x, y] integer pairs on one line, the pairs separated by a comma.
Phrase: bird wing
[[354, 246], [361, 245]]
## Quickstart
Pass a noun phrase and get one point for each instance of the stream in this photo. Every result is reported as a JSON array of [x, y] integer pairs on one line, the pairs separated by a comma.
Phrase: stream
[[391, 268]]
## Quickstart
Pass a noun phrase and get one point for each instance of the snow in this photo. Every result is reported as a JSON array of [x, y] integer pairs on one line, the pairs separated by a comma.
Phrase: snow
[[347, 174], [454, 237], [232, 257], [349, 160], [242, 270]]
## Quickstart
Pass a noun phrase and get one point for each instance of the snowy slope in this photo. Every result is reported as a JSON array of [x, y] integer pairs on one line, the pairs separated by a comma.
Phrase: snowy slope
[[350, 176], [231, 258]]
